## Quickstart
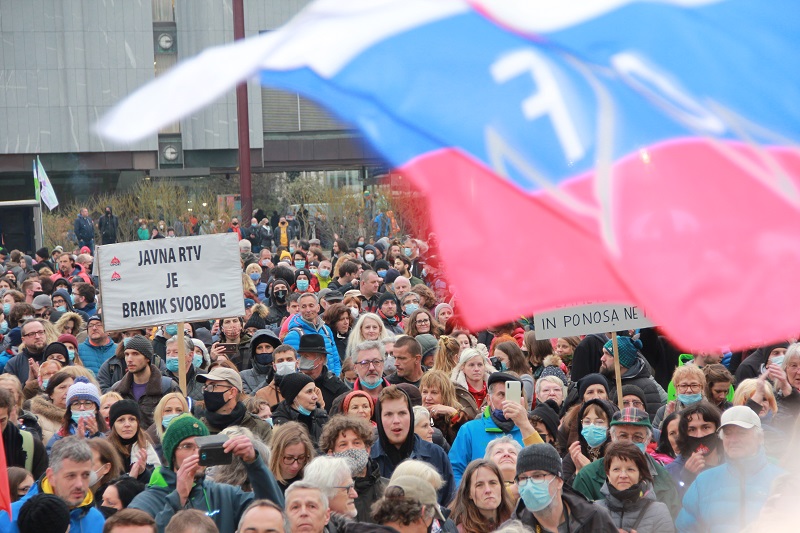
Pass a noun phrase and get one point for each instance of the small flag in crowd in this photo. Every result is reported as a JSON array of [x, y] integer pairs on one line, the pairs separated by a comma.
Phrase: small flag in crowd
[[44, 188]]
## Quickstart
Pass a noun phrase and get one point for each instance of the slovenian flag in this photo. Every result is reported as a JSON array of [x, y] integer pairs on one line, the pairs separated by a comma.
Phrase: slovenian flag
[[595, 151]]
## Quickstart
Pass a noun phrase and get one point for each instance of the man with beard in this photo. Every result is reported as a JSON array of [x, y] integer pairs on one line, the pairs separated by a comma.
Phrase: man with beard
[[634, 371], [31, 350], [387, 310], [368, 360], [98, 346], [181, 482]]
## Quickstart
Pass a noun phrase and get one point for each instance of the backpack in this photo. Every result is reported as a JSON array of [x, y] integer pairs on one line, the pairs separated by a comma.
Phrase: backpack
[[27, 447]]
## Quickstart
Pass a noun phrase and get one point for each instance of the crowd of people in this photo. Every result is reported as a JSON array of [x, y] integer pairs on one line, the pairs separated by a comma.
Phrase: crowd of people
[[351, 398]]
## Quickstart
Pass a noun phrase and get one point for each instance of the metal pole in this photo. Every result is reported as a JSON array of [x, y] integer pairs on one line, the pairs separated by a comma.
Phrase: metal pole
[[245, 183], [617, 370]]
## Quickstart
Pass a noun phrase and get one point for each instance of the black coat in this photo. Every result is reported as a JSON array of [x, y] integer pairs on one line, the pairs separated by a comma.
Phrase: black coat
[[331, 387], [586, 359], [584, 517], [370, 489], [314, 422]]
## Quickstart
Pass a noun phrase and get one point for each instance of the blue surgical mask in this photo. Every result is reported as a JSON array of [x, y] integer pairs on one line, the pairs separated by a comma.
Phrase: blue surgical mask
[[372, 386], [72, 298], [6, 308], [171, 330], [303, 411], [77, 415], [125, 341], [71, 355], [255, 276], [302, 285], [642, 446], [503, 366], [407, 251], [382, 273], [689, 399], [300, 264], [291, 249], [594, 435], [166, 419], [61, 308], [3, 327], [44, 383], [778, 360], [313, 271], [172, 365], [410, 308], [536, 496], [197, 360], [325, 273]]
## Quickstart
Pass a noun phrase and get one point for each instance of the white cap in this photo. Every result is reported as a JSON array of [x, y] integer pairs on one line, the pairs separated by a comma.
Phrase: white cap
[[741, 416]]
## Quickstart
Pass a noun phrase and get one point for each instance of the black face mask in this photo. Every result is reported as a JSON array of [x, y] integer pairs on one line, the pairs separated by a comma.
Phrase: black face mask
[[710, 442], [280, 297], [629, 495], [108, 512], [214, 400], [264, 358]]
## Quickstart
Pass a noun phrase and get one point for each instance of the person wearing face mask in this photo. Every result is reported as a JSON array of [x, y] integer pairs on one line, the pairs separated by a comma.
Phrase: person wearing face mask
[[630, 425], [172, 367], [301, 403], [690, 384], [593, 418], [108, 226], [221, 390], [699, 447], [547, 503], [305, 281], [278, 293], [82, 416], [262, 345], [255, 273], [284, 362]]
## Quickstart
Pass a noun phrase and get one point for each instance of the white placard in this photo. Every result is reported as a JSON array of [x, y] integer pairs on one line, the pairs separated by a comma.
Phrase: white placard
[[588, 319], [165, 281]]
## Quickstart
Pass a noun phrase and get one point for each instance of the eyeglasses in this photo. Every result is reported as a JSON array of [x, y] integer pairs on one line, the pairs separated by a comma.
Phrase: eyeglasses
[[689, 387], [633, 403], [347, 488], [95, 325], [35, 334], [82, 405], [188, 446], [423, 322], [289, 460], [211, 387], [366, 364], [538, 479]]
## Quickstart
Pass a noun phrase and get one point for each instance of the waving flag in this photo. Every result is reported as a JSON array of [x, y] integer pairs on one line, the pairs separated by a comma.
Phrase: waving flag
[[41, 181], [633, 151]]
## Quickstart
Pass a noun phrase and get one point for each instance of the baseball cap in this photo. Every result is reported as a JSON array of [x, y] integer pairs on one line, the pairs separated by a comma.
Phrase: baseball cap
[[631, 416], [414, 488], [42, 301], [742, 416], [221, 373]]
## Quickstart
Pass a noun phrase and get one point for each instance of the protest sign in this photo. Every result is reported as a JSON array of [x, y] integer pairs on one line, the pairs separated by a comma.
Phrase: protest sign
[[165, 281], [588, 319]]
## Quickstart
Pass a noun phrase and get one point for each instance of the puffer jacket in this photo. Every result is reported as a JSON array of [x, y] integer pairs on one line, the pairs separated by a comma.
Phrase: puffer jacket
[[93, 356], [728, 497], [639, 375], [654, 518], [583, 516], [299, 327]]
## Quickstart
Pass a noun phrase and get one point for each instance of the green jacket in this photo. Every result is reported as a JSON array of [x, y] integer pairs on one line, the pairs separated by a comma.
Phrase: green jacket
[[223, 503], [590, 480]]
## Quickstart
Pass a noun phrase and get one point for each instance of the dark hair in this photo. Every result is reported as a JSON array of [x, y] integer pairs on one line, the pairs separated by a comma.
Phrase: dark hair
[[334, 312], [57, 379], [191, 520], [716, 373], [707, 411], [627, 451], [86, 290], [129, 517], [7, 400], [16, 476], [516, 360], [664, 445], [395, 507], [339, 424], [465, 513], [343, 247], [409, 343]]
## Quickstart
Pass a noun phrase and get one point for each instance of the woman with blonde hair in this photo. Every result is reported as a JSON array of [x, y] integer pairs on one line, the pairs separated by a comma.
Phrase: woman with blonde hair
[[472, 372], [291, 451], [169, 407], [369, 327], [106, 401], [440, 399], [447, 354]]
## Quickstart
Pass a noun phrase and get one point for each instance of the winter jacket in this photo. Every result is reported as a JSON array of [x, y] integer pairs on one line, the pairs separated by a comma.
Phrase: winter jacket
[[370, 489], [472, 440], [77, 271], [591, 478], [194, 389], [590, 453], [330, 386], [682, 478], [224, 503], [259, 375], [299, 327], [110, 372], [586, 359], [257, 427], [49, 415], [84, 229], [84, 518], [314, 422], [424, 451], [157, 387], [242, 358], [93, 356], [583, 516], [654, 518], [108, 225], [639, 375], [18, 365], [71, 430], [728, 497], [14, 440]]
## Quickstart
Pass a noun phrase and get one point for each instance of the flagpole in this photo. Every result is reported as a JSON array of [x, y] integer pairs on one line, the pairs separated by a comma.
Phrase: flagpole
[[38, 214]]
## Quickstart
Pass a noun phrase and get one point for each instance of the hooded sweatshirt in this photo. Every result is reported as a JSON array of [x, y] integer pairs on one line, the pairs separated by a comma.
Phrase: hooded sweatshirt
[[259, 374]]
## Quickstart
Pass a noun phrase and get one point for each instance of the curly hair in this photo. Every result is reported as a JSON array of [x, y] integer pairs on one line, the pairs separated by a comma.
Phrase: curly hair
[[338, 424]]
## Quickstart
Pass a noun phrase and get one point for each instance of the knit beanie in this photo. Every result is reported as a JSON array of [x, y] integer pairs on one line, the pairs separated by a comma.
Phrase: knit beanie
[[255, 321], [43, 513], [292, 384], [628, 350], [66, 337], [539, 457], [428, 343], [124, 407], [385, 296], [440, 307], [636, 391], [391, 275], [141, 345], [180, 428], [56, 347], [554, 371], [83, 389], [588, 380], [549, 418]]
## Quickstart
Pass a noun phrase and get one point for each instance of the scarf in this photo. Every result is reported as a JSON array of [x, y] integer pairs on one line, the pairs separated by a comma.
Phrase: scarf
[[391, 321], [479, 395], [506, 424], [222, 421]]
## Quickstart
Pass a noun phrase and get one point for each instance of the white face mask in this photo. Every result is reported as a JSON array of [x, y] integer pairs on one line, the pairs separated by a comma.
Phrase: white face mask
[[354, 312], [285, 368]]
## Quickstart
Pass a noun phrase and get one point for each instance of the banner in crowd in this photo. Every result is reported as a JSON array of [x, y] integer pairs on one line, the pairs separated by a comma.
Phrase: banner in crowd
[[588, 319], [165, 281]]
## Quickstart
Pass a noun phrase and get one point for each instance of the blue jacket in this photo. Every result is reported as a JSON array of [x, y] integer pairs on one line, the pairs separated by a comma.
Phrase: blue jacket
[[726, 498], [299, 327], [424, 451], [472, 440], [83, 519], [93, 357]]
